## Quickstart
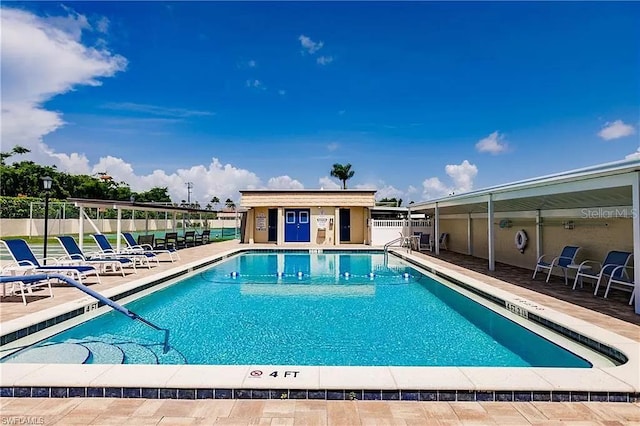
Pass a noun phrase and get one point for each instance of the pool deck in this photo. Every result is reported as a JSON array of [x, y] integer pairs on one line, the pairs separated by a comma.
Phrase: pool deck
[[608, 314]]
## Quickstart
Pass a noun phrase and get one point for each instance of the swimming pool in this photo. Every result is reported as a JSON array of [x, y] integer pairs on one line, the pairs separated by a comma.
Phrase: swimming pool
[[301, 308]]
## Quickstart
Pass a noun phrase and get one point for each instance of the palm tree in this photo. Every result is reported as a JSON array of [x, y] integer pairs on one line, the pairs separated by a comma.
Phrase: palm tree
[[230, 204], [215, 201], [342, 172]]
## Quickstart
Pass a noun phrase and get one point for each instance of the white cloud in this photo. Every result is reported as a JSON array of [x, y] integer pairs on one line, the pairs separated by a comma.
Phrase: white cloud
[[332, 146], [324, 60], [327, 182], [42, 58], [309, 45], [462, 176], [255, 84], [252, 64], [616, 130], [493, 144], [216, 179], [434, 188], [157, 110], [633, 155], [412, 189], [282, 92], [284, 182]]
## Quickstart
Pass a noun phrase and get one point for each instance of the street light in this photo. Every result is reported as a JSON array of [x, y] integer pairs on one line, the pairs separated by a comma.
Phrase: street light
[[46, 182]]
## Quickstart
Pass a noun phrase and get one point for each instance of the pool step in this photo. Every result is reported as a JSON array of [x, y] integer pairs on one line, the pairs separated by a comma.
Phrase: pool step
[[101, 352], [52, 353], [143, 351]]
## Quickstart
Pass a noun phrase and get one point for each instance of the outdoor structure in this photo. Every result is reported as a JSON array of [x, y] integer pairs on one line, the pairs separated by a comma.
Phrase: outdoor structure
[[596, 208], [322, 217], [170, 221]]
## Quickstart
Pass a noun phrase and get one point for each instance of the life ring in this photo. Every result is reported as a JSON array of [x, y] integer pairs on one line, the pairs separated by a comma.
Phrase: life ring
[[521, 240]]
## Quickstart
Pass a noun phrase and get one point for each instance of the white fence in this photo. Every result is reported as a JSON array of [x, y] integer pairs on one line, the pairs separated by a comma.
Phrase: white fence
[[383, 230], [35, 227]]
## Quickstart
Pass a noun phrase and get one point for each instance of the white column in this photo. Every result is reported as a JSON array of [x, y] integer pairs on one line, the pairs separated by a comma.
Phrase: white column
[[118, 229], [81, 226], [469, 235], [280, 236], [490, 233], [436, 229], [336, 226], [635, 214], [251, 224], [410, 224], [538, 234]]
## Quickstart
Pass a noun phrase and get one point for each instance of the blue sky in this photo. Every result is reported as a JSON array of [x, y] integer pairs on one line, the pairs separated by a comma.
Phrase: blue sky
[[423, 99]]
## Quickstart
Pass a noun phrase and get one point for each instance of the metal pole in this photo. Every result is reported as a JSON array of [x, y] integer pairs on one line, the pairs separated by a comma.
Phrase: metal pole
[[46, 224]]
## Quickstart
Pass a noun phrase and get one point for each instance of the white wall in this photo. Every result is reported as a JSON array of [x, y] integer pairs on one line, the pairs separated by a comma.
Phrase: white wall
[[384, 231]]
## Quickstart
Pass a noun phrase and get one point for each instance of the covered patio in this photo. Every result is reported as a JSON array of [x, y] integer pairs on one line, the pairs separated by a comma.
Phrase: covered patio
[[596, 208]]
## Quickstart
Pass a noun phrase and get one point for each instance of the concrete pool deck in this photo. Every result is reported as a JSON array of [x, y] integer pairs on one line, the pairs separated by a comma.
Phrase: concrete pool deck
[[463, 381]]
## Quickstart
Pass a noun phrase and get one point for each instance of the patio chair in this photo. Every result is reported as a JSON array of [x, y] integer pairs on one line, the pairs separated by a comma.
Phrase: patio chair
[[442, 242], [145, 247], [22, 255], [26, 284], [608, 268], [73, 252], [190, 238], [171, 241], [621, 278], [106, 250], [567, 257], [424, 242], [203, 237]]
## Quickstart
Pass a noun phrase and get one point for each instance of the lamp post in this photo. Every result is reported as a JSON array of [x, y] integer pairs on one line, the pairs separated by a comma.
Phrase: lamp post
[[46, 182]]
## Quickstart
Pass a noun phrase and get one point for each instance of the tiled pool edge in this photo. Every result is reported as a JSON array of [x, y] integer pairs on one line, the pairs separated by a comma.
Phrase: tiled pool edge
[[318, 394], [169, 390]]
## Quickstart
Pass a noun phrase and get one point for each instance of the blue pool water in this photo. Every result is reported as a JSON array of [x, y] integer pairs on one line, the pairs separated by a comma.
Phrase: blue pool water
[[315, 309]]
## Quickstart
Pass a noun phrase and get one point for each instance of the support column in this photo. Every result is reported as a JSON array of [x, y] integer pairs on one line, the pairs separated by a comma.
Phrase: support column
[[490, 234], [81, 227], [469, 236], [436, 229], [280, 236], [635, 215], [251, 224], [119, 230], [336, 226], [538, 234]]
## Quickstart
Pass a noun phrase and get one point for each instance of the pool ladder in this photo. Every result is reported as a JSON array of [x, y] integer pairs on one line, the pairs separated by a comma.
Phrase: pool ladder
[[392, 242]]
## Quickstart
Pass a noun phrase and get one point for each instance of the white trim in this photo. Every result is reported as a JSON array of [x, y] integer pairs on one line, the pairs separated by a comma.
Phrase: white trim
[[436, 229]]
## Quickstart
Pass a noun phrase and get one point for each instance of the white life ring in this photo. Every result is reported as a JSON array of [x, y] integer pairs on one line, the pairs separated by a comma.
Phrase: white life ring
[[521, 240]]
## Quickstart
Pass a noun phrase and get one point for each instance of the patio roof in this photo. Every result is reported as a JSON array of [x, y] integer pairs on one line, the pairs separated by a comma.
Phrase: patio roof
[[612, 185], [133, 205]]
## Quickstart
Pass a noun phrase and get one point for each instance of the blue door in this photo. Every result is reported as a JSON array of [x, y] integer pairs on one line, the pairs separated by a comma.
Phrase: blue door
[[297, 226]]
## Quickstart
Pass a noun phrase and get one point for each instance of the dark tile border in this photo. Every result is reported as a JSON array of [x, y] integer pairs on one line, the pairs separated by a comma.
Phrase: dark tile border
[[599, 347], [319, 394]]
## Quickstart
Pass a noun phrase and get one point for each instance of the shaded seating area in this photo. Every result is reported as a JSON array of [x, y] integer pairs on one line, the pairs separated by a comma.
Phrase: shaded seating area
[[106, 250], [146, 246], [23, 256], [566, 258], [613, 266], [171, 241], [74, 253]]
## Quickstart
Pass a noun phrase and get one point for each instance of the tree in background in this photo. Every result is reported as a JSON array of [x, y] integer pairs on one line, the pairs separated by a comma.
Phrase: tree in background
[[215, 201], [392, 201], [230, 204], [342, 172]]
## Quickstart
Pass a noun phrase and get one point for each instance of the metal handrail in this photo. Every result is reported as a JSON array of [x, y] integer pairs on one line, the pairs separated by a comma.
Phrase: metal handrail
[[40, 277], [390, 243]]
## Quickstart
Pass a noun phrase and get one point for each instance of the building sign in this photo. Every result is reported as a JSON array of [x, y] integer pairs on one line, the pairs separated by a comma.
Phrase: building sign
[[261, 222], [322, 222]]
